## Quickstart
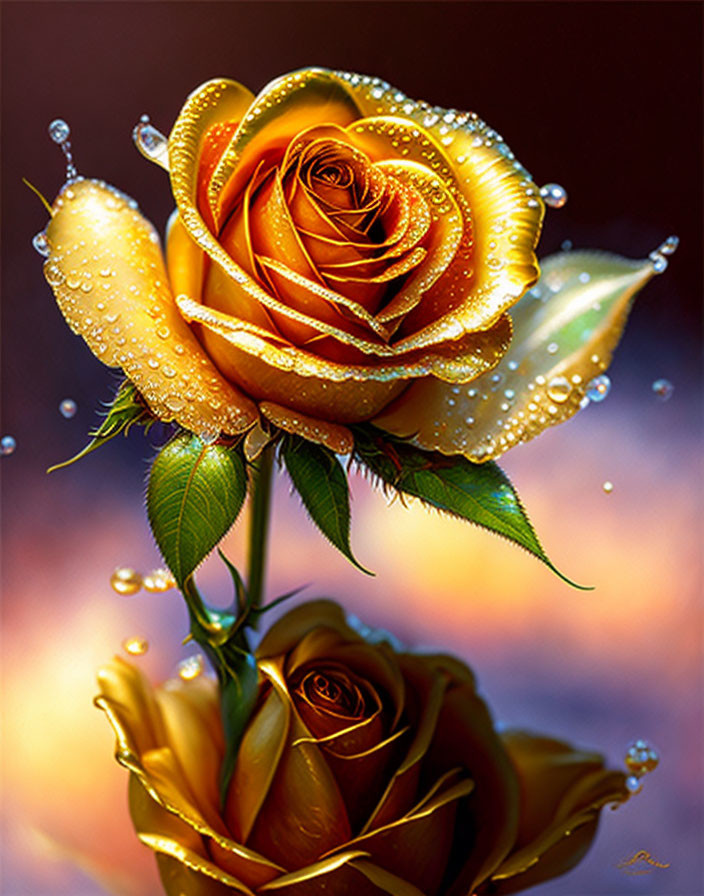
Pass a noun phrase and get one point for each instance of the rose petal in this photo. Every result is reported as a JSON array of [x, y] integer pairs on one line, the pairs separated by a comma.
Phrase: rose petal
[[506, 207], [257, 760], [215, 103], [317, 869], [565, 331], [304, 814], [107, 273], [387, 882], [178, 878], [337, 438], [283, 108], [291, 628]]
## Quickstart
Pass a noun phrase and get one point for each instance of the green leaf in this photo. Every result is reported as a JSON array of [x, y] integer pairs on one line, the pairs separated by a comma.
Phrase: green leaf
[[238, 696], [479, 493], [320, 480], [194, 495], [126, 409]]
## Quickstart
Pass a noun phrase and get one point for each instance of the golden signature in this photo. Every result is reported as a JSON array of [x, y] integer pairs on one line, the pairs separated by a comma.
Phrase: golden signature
[[640, 862]]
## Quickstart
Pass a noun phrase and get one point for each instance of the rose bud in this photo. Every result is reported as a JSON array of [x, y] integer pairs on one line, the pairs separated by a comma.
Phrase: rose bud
[[362, 770]]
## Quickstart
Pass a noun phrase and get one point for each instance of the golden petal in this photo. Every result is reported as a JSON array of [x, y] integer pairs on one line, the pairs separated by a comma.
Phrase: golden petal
[[565, 332], [285, 107], [136, 718], [107, 273], [288, 631], [194, 862], [506, 207], [385, 880], [317, 869], [455, 361], [179, 879], [257, 761], [335, 437], [216, 102]]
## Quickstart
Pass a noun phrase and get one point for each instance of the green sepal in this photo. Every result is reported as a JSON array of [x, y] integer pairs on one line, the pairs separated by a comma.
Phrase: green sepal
[[126, 409], [320, 480], [238, 697], [479, 493], [194, 495]]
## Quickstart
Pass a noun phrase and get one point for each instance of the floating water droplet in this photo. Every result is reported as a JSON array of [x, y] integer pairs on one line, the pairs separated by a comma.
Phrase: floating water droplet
[[641, 758], [566, 245], [669, 247], [559, 389], [158, 580], [59, 131], [663, 389], [150, 141], [68, 408], [599, 388], [608, 487], [125, 580], [191, 667], [7, 445], [633, 784], [136, 646], [553, 348], [41, 244], [553, 195]]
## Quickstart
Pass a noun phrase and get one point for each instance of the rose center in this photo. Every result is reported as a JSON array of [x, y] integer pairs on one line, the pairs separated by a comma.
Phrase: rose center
[[333, 692]]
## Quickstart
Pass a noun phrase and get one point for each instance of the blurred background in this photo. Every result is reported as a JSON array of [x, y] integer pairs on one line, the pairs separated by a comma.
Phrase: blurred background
[[604, 98]]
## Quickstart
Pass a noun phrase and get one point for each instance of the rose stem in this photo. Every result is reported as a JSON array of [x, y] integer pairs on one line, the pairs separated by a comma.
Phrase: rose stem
[[260, 492]]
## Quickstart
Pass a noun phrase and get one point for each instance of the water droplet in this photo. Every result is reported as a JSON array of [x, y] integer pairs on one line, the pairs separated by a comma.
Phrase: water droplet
[[659, 262], [125, 581], [641, 758], [41, 244], [510, 394], [584, 277], [566, 245], [7, 445], [552, 348], [150, 141], [608, 487], [59, 131], [136, 646], [663, 389], [68, 408], [158, 580], [191, 667], [633, 784], [599, 388], [669, 247], [553, 195], [559, 389], [163, 332], [469, 421]]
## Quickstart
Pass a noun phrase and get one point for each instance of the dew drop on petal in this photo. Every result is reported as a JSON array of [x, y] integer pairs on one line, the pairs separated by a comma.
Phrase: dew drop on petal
[[663, 389], [559, 389], [608, 487], [68, 408], [191, 667], [41, 244], [136, 645], [125, 580], [633, 784], [7, 445], [553, 348], [669, 247], [599, 388], [553, 195]]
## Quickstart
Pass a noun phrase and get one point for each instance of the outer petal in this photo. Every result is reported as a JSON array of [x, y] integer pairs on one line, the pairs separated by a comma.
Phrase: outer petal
[[562, 791], [108, 276], [565, 332], [506, 207]]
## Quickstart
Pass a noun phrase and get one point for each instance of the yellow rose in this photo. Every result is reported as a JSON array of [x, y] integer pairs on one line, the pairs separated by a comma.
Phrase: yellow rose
[[362, 771], [334, 242]]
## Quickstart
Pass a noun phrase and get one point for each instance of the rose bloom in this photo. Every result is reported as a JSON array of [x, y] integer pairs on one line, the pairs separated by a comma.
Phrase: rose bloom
[[362, 771], [334, 243]]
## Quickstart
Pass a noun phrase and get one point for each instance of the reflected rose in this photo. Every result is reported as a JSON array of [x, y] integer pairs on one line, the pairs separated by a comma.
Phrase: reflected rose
[[333, 243], [362, 770]]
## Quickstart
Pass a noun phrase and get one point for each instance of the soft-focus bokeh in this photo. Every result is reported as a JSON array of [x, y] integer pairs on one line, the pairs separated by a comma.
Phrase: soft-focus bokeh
[[603, 98]]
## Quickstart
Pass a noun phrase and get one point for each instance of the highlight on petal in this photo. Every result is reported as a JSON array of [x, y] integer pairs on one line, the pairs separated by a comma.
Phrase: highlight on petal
[[107, 273], [565, 332]]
